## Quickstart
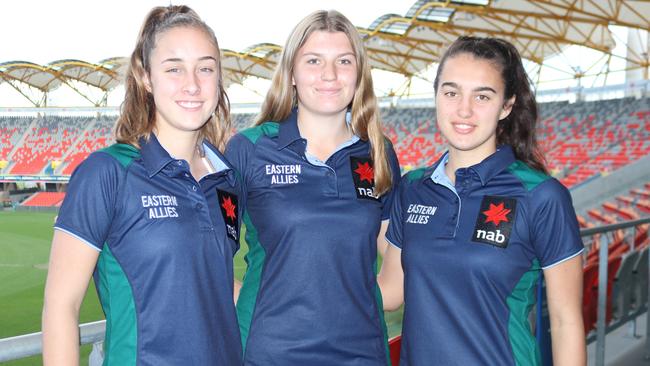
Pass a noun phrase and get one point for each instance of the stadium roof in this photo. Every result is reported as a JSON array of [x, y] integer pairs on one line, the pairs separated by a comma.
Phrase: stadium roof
[[405, 44]]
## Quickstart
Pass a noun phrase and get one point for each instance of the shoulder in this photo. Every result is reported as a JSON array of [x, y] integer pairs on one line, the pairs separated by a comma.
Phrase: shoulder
[[123, 154], [116, 156], [414, 175], [530, 178], [543, 191], [266, 129]]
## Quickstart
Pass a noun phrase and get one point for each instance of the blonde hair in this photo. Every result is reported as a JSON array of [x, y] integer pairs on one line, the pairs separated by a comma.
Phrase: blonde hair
[[281, 97], [138, 111]]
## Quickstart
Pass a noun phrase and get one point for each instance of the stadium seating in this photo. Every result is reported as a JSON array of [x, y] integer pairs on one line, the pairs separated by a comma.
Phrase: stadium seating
[[627, 257], [44, 199], [581, 141]]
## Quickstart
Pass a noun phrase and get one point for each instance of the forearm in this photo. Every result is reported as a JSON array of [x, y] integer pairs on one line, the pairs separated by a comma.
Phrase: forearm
[[564, 297], [568, 342], [60, 336]]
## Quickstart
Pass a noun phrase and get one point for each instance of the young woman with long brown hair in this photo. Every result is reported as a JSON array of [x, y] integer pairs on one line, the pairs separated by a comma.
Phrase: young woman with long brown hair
[[155, 216]]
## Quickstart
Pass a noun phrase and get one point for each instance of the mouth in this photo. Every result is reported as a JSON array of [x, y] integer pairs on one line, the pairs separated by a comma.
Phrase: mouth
[[328, 91], [189, 105], [463, 128]]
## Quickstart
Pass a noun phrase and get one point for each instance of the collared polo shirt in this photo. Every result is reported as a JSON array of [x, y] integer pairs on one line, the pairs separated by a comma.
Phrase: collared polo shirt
[[472, 253], [309, 295], [164, 274]]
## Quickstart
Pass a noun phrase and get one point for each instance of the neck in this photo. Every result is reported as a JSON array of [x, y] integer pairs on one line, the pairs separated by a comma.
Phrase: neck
[[323, 133], [315, 128]]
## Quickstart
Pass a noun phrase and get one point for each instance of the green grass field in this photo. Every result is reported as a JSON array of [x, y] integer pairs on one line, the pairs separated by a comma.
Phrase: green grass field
[[25, 245]]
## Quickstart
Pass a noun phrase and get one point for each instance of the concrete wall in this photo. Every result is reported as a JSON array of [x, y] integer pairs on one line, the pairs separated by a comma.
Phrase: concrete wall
[[618, 182]]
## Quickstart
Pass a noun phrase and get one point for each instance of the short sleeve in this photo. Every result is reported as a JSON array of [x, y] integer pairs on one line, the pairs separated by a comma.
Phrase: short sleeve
[[238, 152], [555, 230], [388, 197], [395, 226], [88, 208]]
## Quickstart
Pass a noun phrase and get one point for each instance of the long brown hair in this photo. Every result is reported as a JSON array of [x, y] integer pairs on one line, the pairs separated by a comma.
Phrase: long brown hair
[[518, 129], [282, 98], [138, 111]]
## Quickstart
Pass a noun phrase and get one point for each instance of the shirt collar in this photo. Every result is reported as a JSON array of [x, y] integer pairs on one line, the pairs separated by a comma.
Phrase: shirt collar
[[219, 162], [154, 156], [486, 169], [439, 176], [289, 132]]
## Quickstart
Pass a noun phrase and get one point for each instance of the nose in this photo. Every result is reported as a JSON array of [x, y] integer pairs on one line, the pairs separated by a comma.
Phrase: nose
[[329, 71], [465, 107], [191, 86]]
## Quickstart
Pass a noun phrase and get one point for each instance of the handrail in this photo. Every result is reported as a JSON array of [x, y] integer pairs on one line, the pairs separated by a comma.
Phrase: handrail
[[26, 345], [603, 253], [612, 227]]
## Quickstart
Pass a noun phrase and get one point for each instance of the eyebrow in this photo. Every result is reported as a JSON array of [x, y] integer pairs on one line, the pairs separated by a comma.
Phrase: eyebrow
[[479, 89], [176, 59], [322, 54]]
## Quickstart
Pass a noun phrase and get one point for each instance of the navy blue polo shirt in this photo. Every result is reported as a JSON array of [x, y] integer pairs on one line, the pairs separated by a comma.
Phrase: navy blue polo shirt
[[472, 254], [164, 274], [310, 295]]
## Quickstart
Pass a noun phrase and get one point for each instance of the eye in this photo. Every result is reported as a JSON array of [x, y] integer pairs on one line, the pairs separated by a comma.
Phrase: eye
[[482, 98], [345, 61], [173, 70], [313, 61], [450, 94], [206, 70]]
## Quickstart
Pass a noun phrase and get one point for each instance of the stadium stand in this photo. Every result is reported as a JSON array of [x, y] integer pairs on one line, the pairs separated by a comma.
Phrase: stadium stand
[[45, 199], [581, 140], [627, 265]]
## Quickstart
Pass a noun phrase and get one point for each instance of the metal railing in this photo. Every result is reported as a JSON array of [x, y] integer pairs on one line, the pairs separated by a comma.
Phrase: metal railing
[[27, 345], [93, 333], [602, 328]]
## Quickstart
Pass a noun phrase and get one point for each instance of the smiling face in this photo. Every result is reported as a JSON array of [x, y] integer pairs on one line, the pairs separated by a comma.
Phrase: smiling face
[[325, 74], [469, 104], [183, 80]]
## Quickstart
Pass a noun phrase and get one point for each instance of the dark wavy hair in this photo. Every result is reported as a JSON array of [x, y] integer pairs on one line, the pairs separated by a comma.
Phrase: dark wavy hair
[[518, 129]]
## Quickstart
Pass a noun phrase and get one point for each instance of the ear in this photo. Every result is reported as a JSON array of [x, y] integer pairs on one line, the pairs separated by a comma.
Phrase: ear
[[507, 107], [146, 81]]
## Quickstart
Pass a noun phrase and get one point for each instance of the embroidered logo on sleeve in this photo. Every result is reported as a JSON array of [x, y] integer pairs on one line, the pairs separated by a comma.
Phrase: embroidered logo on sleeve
[[228, 206], [363, 175], [494, 221]]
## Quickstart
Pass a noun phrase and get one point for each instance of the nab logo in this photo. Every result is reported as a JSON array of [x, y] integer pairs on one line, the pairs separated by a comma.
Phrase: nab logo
[[228, 206], [494, 221], [363, 175]]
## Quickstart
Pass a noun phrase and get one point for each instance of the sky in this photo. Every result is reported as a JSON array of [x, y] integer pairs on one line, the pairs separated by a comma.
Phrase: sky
[[91, 30], [44, 31]]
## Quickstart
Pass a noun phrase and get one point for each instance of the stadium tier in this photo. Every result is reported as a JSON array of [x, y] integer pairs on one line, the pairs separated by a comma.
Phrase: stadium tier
[[627, 260], [581, 140], [45, 199]]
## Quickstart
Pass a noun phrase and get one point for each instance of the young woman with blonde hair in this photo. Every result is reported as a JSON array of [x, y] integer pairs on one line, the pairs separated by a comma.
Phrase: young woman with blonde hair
[[319, 177]]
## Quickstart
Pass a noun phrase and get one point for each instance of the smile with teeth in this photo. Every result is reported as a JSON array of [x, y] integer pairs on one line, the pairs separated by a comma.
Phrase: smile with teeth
[[189, 104], [463, 128]]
